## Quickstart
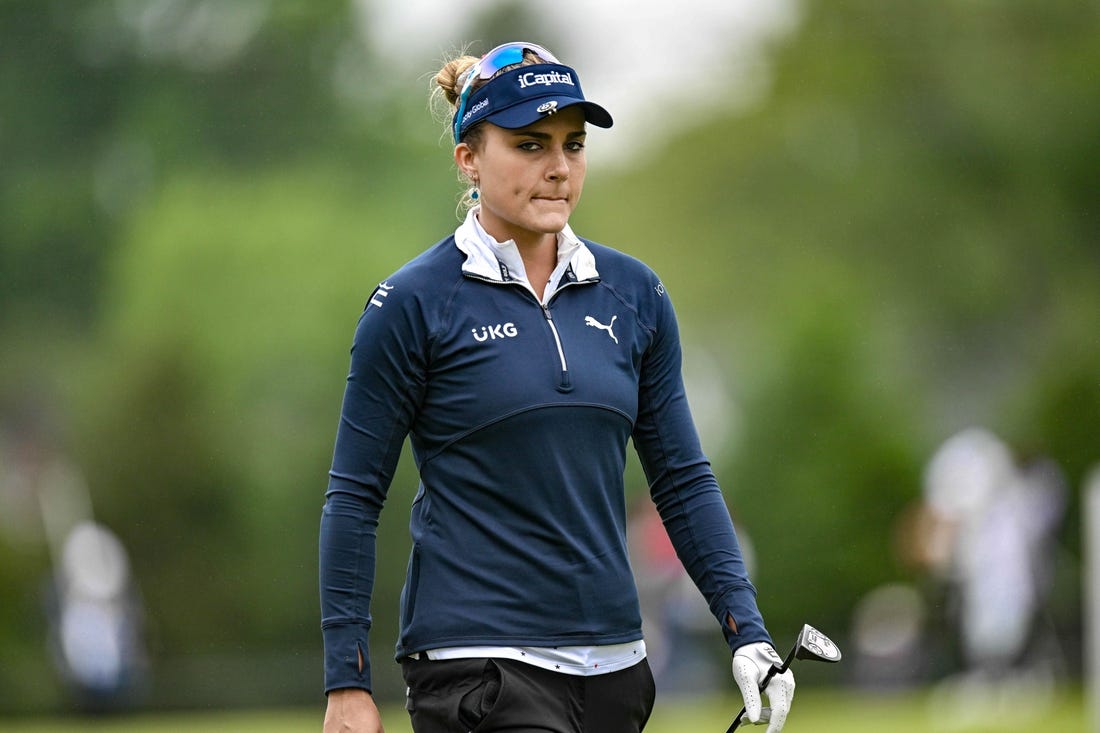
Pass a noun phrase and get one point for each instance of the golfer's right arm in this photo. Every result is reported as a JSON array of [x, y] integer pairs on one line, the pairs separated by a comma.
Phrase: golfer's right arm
[[383, 387]]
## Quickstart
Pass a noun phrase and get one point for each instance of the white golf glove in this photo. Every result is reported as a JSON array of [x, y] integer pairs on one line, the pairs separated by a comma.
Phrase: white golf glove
[[750, 665]]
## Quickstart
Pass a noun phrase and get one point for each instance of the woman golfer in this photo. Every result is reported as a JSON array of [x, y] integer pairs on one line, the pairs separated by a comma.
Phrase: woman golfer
[[519, 359]]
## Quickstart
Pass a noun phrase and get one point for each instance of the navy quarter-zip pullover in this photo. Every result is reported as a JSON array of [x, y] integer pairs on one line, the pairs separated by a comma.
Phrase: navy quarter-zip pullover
[[519, 413]]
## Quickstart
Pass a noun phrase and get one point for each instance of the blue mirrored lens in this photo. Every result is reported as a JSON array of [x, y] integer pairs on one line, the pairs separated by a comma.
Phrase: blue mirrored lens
[[492, 62]]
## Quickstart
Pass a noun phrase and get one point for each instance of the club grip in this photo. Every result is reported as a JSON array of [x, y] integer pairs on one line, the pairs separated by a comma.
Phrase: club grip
[[765, 713]]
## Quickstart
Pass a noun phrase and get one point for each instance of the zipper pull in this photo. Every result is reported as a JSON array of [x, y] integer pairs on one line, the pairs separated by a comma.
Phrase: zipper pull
[[565, 384]]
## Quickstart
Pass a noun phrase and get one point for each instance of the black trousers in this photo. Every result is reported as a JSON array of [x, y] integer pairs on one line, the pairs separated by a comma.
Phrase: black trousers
[[505, 696]]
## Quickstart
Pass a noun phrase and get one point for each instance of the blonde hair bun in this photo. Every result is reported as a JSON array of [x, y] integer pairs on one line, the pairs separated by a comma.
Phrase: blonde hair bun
[[452, 76]]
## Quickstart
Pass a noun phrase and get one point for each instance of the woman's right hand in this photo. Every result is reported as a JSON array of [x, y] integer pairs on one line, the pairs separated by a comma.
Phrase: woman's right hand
[[352, 710]]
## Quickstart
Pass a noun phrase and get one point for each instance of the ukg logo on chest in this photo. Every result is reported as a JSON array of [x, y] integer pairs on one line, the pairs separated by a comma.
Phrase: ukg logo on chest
[[492, 333]]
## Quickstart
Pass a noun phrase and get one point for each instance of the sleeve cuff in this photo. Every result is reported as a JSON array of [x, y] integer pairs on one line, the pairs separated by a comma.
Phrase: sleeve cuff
[[741, 604], [347, 657]]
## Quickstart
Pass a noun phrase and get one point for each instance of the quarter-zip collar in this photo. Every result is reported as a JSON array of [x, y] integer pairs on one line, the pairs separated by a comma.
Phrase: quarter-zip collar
[[489, 259]]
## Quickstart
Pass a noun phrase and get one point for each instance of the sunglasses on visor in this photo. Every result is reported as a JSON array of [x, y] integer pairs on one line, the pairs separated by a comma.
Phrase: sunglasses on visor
[[500, 57]]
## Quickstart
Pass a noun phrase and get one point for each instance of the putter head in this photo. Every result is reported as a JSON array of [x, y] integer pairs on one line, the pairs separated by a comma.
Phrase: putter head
[[812, 644]]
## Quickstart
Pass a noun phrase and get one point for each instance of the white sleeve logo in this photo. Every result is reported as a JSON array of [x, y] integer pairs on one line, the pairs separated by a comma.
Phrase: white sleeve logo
[[380, 294]]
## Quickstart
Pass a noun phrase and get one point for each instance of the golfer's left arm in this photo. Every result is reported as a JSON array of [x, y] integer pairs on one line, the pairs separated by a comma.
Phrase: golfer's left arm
[[698, 522]]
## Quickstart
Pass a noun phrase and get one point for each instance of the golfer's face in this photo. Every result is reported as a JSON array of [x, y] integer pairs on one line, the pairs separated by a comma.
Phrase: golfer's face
[[530, 179]]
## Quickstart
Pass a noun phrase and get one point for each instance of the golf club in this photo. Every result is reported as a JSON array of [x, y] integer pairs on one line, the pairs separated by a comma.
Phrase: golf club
[[810, 644]]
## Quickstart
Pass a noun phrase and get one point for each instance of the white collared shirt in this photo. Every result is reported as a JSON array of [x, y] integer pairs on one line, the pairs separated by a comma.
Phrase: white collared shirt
[[488, 258]]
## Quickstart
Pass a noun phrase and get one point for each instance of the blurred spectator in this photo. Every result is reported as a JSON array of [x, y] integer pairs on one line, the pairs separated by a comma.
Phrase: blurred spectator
[[985, 532], [91, 604], [95, 620], [990, 531]]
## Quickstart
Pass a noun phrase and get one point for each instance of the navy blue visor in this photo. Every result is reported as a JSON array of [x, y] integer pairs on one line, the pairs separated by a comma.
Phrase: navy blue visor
[[524, 95]]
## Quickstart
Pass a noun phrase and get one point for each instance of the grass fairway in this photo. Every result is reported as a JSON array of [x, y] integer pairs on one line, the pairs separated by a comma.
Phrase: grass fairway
[[816, 711]]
